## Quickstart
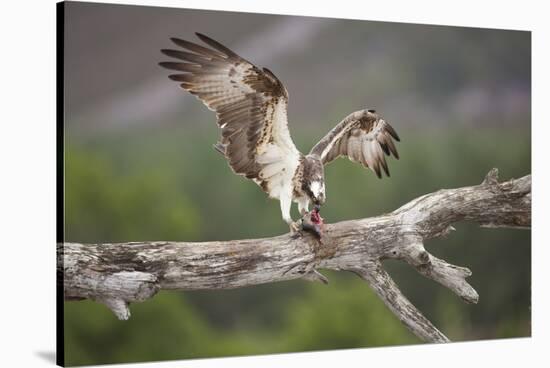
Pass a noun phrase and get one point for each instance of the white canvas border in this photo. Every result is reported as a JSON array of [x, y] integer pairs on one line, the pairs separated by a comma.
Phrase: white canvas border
[[28, 181]]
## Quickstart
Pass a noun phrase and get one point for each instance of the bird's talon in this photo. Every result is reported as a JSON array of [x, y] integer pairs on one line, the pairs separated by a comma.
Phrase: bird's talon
[[296, 235], [295, 227]]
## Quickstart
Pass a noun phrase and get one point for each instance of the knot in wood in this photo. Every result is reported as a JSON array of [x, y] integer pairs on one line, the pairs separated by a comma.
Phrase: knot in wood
[[416, 255]]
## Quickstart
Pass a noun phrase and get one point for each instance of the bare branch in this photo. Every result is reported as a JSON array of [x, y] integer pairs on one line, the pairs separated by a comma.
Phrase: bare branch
[[119, 274], [450, 276], [384, 286]]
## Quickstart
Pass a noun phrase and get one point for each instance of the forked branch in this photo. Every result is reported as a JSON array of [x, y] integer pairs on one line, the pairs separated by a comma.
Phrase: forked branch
[[119, 274], [384, 286]]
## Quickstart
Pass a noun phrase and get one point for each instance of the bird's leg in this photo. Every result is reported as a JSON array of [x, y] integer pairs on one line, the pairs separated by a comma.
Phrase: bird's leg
[[294, 226], [286, 202], [303, 206]]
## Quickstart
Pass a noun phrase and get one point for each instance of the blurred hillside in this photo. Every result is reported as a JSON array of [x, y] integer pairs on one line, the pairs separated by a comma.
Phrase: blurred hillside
[[139, 166], [417, 75]]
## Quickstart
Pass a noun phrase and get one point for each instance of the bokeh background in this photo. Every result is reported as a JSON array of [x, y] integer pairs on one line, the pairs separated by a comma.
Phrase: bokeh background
[[139, 165]]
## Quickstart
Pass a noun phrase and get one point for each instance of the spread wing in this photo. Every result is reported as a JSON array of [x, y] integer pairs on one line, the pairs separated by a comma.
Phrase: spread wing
[[250, 104], [363, 137]]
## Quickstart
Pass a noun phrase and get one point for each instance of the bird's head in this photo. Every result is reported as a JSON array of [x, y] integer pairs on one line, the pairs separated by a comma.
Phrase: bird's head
[[316, 192], [314, 181]]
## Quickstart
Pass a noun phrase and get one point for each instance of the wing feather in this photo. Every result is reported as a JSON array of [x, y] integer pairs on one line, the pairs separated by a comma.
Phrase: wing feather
[[363, 137], [250, 105]]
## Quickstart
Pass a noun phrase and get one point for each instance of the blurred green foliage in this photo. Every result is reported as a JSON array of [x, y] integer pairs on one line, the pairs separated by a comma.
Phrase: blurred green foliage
[[169, 184], [132, 206]]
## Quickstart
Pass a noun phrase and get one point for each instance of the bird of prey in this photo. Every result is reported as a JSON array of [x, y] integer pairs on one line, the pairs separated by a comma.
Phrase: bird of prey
[[251, 108]]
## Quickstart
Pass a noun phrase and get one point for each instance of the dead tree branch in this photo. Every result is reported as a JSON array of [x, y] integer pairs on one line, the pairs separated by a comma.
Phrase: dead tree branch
[[119, 274]]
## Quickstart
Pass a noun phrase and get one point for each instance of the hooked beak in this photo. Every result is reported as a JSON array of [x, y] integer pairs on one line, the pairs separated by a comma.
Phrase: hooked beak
[[317, 207]]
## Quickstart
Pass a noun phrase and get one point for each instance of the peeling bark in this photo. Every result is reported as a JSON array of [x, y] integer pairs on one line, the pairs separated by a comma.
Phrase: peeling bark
[[119, 274]]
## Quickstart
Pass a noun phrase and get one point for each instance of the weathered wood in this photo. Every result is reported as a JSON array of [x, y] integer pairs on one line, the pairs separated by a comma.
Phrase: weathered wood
[[119, 274], [384, 286]]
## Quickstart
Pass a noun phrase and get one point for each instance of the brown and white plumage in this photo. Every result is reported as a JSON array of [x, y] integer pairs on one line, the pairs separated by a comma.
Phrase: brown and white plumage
[[251, 108], [250, 103], [363, 137]]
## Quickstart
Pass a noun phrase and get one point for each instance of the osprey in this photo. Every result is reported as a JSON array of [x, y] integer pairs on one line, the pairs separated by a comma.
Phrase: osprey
[[251, 109]]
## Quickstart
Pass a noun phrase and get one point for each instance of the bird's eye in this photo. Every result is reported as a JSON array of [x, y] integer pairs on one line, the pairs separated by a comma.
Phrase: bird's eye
[[372, 111]]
